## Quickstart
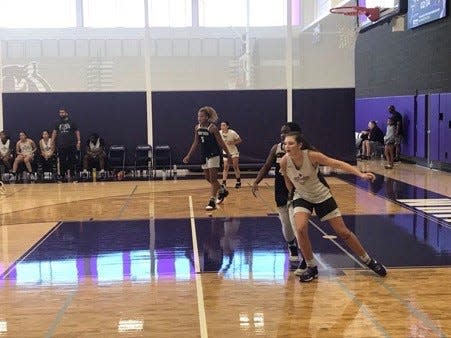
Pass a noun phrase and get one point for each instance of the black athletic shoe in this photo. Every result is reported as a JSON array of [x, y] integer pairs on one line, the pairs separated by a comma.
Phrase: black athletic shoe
[[377, 268], [238, 185], [310, 274], [302, 267], [294, 253], [211, 205], [223, 193]]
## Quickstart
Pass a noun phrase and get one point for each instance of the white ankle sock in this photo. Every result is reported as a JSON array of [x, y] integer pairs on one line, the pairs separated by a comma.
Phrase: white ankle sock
[[311, 262], [365, 258]]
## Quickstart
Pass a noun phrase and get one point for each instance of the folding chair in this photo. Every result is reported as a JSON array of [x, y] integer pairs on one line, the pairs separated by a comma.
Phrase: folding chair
[[162, 158], [116, 157], [143, 160]]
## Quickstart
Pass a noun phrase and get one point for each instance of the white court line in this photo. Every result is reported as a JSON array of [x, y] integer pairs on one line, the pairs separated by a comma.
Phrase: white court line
[[34, 247], [434, 209], [199, 288], [423, 200], [428, 203], [351, 295], [412, 309], [442, 215], [447, 220]]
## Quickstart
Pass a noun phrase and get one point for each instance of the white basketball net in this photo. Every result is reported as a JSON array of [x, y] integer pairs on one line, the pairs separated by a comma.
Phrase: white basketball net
[[347, 31]]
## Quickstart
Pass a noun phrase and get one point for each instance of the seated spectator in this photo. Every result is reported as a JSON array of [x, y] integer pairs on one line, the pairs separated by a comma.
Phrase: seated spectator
[[389, 141], [6, 155], [375, 139], [47, 151], [359, 142], [25, 150], [95, 153]]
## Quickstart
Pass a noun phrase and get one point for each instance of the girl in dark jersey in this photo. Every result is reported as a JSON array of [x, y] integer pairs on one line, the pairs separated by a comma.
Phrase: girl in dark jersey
[[207, 135], [300, 167], [281, 194]]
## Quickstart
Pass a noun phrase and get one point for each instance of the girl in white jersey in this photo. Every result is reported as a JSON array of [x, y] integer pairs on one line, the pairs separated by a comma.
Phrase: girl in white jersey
[[25, 149], [231, 140], [47, 149], [300, 167]]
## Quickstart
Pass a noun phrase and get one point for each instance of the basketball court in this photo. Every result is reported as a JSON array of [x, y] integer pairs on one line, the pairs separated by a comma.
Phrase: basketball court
[[136, 256], [147, 260]]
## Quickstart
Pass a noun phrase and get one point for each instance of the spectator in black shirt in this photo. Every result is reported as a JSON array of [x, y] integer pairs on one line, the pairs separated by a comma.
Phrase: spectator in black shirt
[[399, 135], [67, 138]]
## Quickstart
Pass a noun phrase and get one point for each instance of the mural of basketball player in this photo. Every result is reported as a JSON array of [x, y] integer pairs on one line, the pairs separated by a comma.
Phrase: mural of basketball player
[[24, 78]]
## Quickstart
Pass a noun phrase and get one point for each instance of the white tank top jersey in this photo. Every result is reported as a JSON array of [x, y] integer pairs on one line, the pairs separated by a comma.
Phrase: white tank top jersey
[[46, 146], [306, 182], [4, 147], [26, 148], [94, 146], [231, 135]]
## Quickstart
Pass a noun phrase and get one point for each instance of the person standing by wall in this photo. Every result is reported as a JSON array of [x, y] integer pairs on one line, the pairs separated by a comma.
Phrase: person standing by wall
[[399, 130], [67, 138]]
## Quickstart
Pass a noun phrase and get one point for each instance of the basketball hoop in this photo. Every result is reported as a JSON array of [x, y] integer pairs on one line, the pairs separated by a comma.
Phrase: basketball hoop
[[373, 14]]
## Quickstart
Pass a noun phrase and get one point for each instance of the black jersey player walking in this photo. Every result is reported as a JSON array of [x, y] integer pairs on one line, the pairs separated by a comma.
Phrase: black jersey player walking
[[207, 135]]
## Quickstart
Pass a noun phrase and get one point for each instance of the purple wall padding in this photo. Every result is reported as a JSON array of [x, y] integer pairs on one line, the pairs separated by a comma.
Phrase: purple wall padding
[[327, 119], [421, 127], [445, 128], [376, 108], [434, 135], [257, 116], [119, 117]]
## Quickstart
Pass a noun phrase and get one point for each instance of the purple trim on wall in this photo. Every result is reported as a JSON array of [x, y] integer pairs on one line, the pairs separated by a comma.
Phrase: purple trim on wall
[[376, 108], [421, 127], [434, 135], [445, 128]]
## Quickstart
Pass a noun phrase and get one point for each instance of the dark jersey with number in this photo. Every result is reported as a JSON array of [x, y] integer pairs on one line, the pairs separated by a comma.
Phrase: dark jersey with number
[[280, 189], [208, 144]]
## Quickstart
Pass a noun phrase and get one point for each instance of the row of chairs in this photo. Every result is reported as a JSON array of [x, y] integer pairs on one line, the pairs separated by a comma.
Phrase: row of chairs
[[146, 158], [147, 161]]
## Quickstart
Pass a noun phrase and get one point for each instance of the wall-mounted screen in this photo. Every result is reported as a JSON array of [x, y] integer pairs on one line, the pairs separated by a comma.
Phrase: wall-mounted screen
[[420, 12]]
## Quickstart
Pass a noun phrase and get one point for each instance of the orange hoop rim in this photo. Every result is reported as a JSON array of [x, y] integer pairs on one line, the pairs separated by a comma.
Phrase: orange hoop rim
[[372, 13]]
